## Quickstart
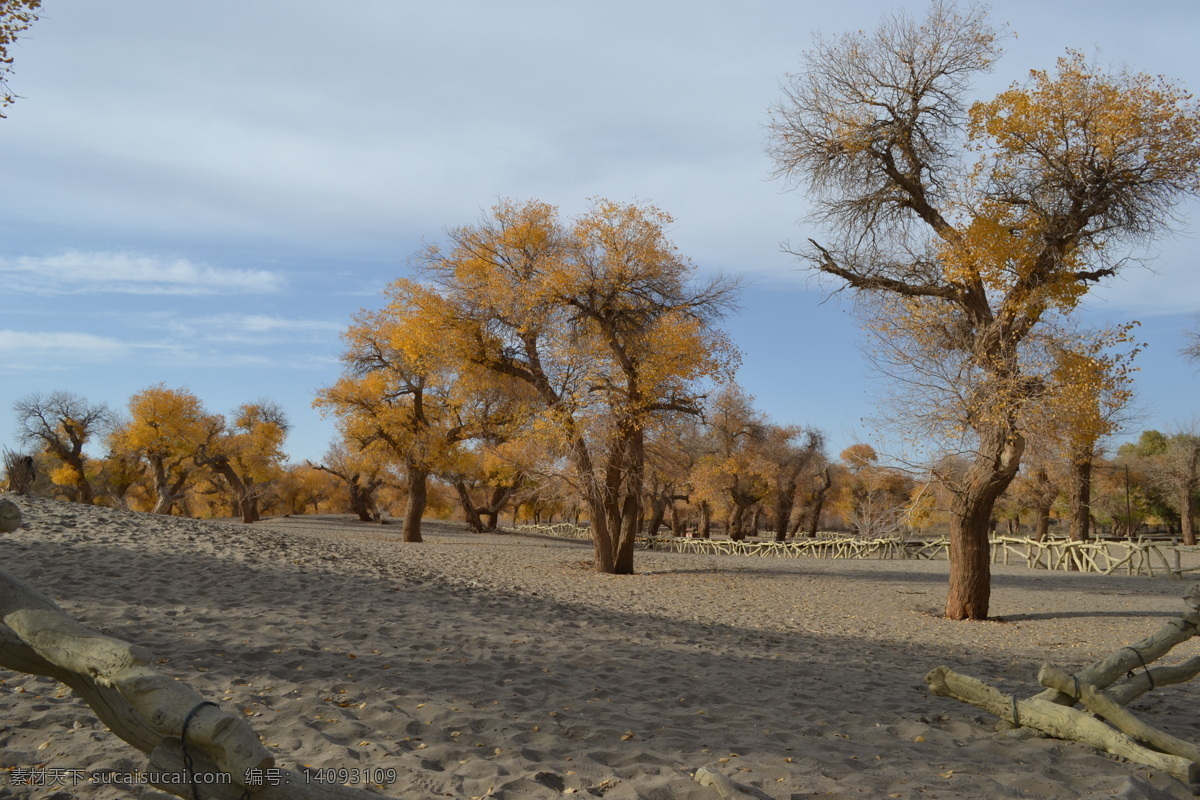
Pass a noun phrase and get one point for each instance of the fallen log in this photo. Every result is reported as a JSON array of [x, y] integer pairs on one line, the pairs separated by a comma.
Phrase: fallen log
[[150, 711], [1059, 721]]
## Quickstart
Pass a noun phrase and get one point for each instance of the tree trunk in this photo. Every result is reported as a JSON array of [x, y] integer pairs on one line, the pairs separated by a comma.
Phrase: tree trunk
[[1042, 525], [75, 460], [785, 500], [737, 522], [490, 516], [989, 475], [1081, 497], [360, 498], [1187, 513], [634, 486], [245, 502], [165, 492], [468, 506], [676, 522], [658, 509], [814, 518], [414, 507], [604, 538], [705, 529]]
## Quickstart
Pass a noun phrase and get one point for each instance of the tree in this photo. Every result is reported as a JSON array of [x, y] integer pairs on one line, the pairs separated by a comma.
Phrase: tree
[[166, 430], [604, 323], [1173, 463], [15, 18], [812, 500], [670, 457], [362, 474], [962, 256], [395, 395], [403, 392], [491, 471], [62, 424], [304, 489], [734, 471], [1034, 488], [248, 454], [1090, 391], [791, 451], [874, 498]]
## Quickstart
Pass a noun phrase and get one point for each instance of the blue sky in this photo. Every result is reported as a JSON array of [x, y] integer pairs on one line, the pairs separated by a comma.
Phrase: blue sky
[[202, 194]]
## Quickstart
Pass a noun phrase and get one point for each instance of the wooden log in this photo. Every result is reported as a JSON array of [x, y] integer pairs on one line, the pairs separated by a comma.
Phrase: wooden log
[[140, 705], [1143, 681], [1108, 671], [1116, 715], [725, 788], [1061, 722]]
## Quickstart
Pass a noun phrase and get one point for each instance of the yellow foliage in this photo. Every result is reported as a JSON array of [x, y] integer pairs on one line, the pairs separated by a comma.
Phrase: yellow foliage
[[165, 423]]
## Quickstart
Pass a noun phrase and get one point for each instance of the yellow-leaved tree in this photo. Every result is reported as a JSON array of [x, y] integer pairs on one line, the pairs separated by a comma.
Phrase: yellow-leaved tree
[[732, 474], [248, 454], [165, 431], [1086, 400], [405, 396], [602, 321], [963, 254]]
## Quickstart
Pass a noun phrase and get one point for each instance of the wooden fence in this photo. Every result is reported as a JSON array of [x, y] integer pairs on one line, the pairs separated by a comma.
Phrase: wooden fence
[[1108, 557]]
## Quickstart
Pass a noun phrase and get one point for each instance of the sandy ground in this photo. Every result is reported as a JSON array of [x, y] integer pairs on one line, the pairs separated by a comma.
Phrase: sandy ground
[[502, 666]]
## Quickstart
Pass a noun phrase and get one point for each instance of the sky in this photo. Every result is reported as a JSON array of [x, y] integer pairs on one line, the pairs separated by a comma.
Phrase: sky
[[203, 194]]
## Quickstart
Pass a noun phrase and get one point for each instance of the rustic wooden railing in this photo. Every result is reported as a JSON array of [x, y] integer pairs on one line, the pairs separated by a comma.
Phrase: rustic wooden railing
[[1108, 557]]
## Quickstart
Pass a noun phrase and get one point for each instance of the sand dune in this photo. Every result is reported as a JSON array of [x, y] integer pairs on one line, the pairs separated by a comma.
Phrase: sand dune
[[502, 666]]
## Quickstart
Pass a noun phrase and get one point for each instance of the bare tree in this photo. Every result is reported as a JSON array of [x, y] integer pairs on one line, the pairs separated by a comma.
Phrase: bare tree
[[62, 424]]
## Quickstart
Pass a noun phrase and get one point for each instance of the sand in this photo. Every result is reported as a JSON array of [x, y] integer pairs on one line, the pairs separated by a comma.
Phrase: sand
[[502, 666]]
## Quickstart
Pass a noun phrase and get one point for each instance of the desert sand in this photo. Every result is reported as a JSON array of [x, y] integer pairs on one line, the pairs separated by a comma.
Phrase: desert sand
[[503, 666]]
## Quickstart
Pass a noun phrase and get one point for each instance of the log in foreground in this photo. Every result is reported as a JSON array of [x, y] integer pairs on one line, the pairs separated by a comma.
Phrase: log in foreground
[[145, 708], [1059, 721]]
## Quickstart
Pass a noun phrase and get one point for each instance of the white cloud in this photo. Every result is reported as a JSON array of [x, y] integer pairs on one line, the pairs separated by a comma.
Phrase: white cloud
[[257, 329], [77, 272], [30, 348], [258, 323], [230, 328]]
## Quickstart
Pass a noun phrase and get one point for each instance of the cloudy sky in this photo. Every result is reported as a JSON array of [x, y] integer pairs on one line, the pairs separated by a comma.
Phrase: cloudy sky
[[202, 194]]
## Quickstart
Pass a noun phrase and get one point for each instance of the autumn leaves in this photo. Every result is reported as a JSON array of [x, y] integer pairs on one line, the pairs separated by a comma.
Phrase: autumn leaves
[[576, 337]]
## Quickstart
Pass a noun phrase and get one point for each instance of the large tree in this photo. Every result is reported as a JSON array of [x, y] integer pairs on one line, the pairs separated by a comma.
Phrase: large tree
[[603, 322], [965, 253]]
